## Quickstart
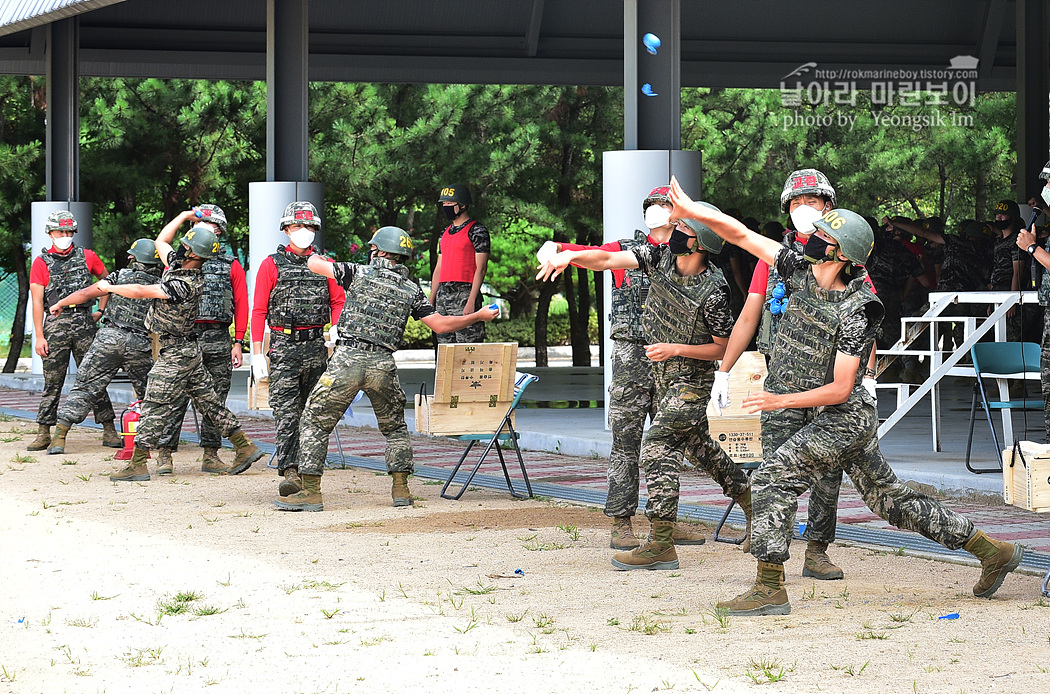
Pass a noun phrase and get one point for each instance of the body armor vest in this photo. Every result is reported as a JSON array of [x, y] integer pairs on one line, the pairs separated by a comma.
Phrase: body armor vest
[[767, 326], [217, 299], [65, 274], [130, 314], [628, 301], [378, 304], [1044, 285], [299, 297], [166, 317], [674, 308], [807, 338]]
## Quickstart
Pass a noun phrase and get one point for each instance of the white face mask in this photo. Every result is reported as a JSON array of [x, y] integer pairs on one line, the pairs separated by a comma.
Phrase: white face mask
[[657, 216], [803, 217], [1045, 194], [302, 238], [62, 242]]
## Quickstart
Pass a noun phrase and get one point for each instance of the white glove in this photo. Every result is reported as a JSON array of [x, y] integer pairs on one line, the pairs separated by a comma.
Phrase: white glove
[[259, 369], [869, 385], [547, 252], [720, 391], [333, 335]]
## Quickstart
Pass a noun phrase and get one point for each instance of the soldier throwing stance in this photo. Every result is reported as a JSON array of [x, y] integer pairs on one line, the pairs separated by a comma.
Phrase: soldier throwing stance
[[688, 321], [380, 297], [123, 341], [179, 369], [823, 338]]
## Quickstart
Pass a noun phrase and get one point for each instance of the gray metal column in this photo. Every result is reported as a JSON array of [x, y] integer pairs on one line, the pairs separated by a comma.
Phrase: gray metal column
[[655, 88], [287, 82], [63, 110], [1033, 86]]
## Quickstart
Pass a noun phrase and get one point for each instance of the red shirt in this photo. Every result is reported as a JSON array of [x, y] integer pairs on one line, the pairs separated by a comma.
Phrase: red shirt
[[38, 273], [265, 280], [612, 247]]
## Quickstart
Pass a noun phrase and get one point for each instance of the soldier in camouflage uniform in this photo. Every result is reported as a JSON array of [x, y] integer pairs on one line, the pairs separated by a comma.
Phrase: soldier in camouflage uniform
[[225, 301], [122, 343], [687, 322], [179, 370], [463, 256], [297, 304], [380, 297], [892, 268], [1008, 271], [1028, 240], [59, 271], [632, 392], [825, 336]]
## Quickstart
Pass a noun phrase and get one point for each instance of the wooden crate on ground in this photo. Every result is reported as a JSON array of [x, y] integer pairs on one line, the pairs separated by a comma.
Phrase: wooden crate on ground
[[473, 389], [259, 391], [1026, 483], [736, 431]]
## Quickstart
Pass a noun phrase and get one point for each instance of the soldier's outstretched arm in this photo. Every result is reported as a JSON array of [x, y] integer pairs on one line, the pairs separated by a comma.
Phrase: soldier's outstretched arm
[[592, 259], [712, 351], [133, 291], [81, 296], [450, 324], [834, 393], [725, 226], [167, 234], [319, 265]]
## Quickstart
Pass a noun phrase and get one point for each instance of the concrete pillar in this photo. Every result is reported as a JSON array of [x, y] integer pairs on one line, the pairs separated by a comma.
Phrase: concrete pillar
[[63, 110], [652, 74], [287, 82], [1033, 87]]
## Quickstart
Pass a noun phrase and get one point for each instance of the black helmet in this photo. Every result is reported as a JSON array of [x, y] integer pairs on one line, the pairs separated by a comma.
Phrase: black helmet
[[455, 192]]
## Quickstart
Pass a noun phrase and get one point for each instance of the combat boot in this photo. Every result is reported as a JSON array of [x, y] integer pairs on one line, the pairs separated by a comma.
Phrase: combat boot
[[110, 437], [998, 558], [688, 534], [622, 536], [165, 465], [657, 553], [212, 463], [291, 482], [744, 502], [399, 489], [306, 499], [58, 441], [42, 440], [247, 453], [767, 596], [136, 470], [818, 565]]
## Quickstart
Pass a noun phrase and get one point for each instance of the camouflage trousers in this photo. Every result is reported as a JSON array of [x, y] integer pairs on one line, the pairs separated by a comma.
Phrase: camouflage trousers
[[295, 368], [215, 346], [841, 437], [113, 349], [450, 300], [179, 374], [632, 398], [777, 428], [680, 427], [351, 370], [1044, 369], [69, 333]]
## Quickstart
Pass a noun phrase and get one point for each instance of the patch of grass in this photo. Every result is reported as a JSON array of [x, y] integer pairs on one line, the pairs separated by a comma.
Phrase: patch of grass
[[571, 530], [1041, 602], [218, 504], [95, 596], [322, 585], [248, 635], [612, 622], [86, 622], [763, 670], [479, 589], [86, 478], [901, 617], [534, 545], [515, 618], [178, 604], [207, 610], [375, 640], [431, 483], [8, 675], [648, 625], [143, 657], [543, 621], [871, 635], [852, 670], [328, 614], [69, 461], [721, 616], [9, 439], [19, 458]]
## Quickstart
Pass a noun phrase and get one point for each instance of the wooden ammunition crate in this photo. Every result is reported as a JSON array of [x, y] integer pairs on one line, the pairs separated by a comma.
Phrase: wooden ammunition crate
[[258, 394], [473, 389], [1027, 484], [736, 431]]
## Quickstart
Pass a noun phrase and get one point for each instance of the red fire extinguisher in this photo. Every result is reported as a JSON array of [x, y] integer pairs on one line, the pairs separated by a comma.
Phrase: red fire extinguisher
[[129, 422]]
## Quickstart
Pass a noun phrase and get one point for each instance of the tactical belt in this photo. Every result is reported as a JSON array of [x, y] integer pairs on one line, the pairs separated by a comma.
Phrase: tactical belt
[[202, 326], [175, 339], [362, 345], [299, 334]]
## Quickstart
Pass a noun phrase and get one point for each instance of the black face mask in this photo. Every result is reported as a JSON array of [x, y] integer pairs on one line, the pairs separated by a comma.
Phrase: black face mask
[[450, 212], [180, 254], [1002, 223], [679, 242], [816, 250]]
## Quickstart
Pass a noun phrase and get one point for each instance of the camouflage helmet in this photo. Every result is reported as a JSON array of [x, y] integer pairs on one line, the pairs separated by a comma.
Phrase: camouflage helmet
[[202, 241], [392, 240], [145, 251], [659, 194], [457, 192], [301, 212], [1044, 175], [851, 233], [806, 182], [213, 214], [60, 220], [705, 237]]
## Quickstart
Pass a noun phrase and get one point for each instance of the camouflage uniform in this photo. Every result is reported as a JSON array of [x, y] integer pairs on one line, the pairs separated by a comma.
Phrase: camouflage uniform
[[380, 297], [123, 342], [682, 310], [213, 338], [70, 332], [964, 269], [297, 358], [1044, 354], [819, 324], [451, 297], [890, 266], [180, 370], [1004, 254]]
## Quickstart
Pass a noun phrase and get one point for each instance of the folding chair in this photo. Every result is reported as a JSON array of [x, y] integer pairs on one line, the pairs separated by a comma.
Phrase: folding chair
[[505, 432], [1001, 361]]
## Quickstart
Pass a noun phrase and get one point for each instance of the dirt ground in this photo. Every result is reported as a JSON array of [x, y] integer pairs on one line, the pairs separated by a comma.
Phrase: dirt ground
[[195, 583]]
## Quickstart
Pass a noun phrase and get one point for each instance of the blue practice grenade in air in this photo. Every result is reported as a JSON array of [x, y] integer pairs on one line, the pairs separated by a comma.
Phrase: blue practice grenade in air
[[778, 303]]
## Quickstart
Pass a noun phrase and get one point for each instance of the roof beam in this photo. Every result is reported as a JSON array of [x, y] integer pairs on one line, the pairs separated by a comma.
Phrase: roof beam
[[532, 38], [991, 27]]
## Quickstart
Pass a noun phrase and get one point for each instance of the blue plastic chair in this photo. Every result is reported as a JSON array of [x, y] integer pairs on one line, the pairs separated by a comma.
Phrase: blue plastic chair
[[1000, 360], [505, 432]]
